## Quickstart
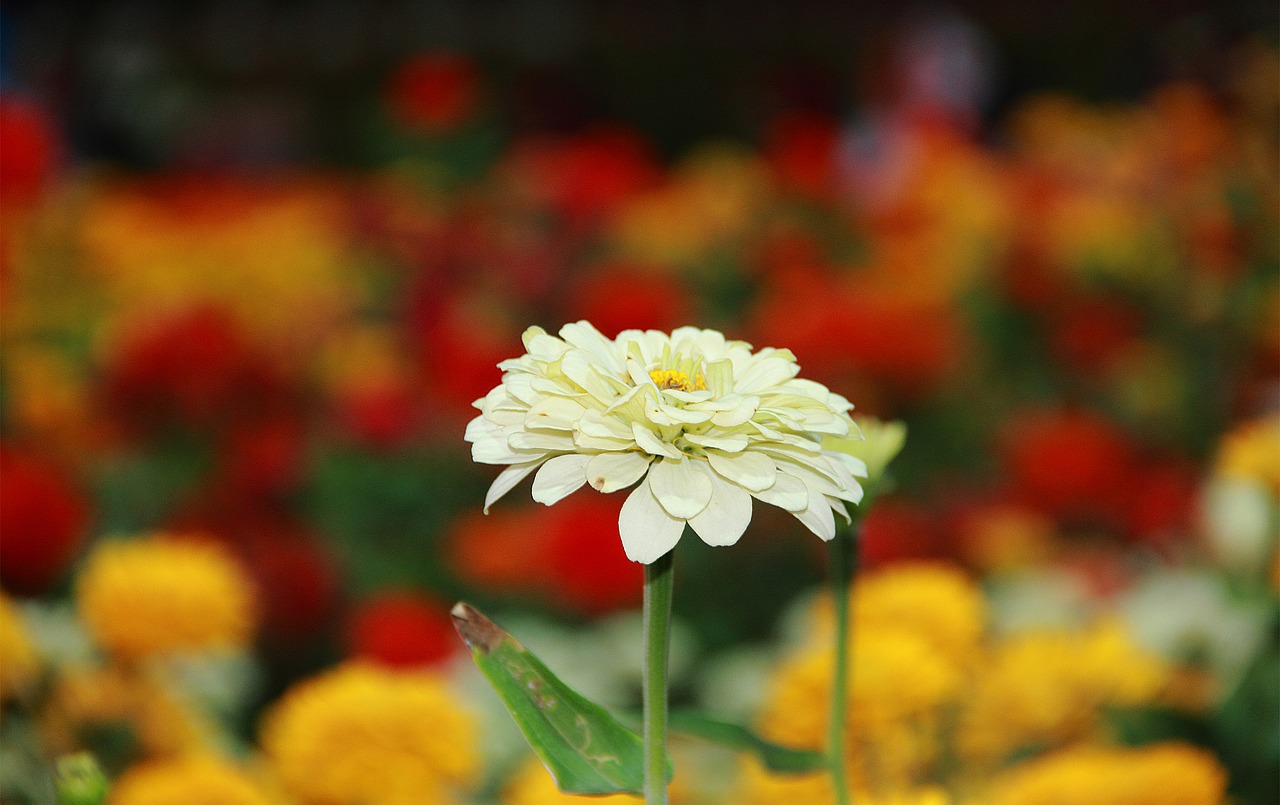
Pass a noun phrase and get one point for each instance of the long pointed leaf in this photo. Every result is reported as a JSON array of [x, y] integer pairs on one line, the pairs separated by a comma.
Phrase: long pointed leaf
[[586, 750]]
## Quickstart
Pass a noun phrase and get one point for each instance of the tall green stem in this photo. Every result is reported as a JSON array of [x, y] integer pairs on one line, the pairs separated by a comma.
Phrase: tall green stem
[[658, 577], [843, 552]]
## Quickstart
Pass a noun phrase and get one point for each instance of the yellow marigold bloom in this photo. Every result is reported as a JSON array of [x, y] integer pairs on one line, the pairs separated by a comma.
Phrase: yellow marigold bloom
[[367, 735], [88, 700], [1160, 774], [899, 685], [1252, 451], [936, 602], [150, 596], [19, 663], [189, 780], [1050, 686], [758, 786]]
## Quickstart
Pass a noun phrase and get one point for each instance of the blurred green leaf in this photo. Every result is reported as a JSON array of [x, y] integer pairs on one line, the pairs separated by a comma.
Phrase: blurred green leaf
[[586, 750], [776, 758], [80, 781]]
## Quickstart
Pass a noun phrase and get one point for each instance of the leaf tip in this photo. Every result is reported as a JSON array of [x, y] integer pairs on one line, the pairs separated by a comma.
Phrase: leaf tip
[[477, 631]]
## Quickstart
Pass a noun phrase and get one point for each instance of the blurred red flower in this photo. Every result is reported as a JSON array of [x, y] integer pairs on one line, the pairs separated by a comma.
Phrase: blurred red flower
[[43, 520], [1069, 463], [1089, 334], [192, 368], [896, 530], [264, 456], [30, 149], [568, 555], [587, 570], [298, 582], [434, 92], [615, 297], [801, 149], [1160, 506], [401, 629], [599, 169]]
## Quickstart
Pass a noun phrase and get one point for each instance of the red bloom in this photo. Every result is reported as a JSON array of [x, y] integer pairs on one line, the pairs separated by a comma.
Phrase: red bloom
[[895, 530], [434, 92], [193, 368], [383, 415], [30, 149], [601, 168], [401, 629], [1069, 463], [568, 554], [587, 568], [43, 518], [618, 297], [1161, 503], [801, 149], [297, 582], [1089, 334]]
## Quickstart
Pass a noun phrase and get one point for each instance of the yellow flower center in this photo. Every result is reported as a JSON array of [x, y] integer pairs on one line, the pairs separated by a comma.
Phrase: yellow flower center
[[677, 380]]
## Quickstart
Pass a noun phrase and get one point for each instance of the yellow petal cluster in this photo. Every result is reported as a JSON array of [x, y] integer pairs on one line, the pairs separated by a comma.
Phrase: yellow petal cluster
[[1160, 774], [189, 780], [1047, 687], [533, 785], [1252, 451], [363, 735], [85, 701], [19, 663], [151, 596]]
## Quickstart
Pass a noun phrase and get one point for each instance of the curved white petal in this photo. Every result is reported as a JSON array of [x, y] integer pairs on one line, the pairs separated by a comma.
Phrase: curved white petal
[[647, 531], [609, 472], [788, 492], [682, 488], [818, 517], [650, 443], [561, 476], [754, 471], [726, 516], [506, 481]]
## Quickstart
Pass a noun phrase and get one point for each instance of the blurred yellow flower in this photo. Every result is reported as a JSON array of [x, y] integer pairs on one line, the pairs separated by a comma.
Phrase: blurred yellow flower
[[1160, 774], [1050, 687], [360, 734], [900, 683], [88, 701], [19, 663], [189, 780], [1252, 451], [934, 601], [156, 595], [757, 786]]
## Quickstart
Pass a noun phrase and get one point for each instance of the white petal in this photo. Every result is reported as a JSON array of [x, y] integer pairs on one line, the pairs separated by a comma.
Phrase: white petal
[[762, 374], [788, 492], [754, 471], [682, 488], [578, 367], [733, 443], [609, 472], [555, 413], [817, 516], [506, 481], [650, 443], [559, 477], [535, 440], [726, 516], [647, 531]]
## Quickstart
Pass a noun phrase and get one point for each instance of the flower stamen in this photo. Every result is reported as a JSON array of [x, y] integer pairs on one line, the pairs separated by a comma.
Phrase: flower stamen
[[676, 380]]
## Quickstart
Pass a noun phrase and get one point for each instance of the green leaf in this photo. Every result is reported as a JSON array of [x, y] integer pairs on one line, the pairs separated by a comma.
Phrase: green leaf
[[775, 757], [586, 750]]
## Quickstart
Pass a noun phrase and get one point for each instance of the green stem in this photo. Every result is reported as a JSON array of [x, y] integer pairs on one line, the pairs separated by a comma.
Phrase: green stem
[[658, 577], [843, 552]]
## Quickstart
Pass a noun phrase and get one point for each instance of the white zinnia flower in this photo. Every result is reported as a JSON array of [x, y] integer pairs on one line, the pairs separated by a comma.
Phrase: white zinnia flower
[[703, 423]]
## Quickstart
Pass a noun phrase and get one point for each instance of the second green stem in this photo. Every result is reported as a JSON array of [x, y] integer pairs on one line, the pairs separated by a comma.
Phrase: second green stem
[[843, 553]]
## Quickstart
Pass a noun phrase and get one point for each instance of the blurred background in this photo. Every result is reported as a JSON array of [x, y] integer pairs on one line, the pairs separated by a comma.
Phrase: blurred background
[[258, 258]]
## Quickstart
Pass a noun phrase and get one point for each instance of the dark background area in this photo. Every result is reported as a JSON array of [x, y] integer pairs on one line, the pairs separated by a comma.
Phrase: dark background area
[[251, 83]]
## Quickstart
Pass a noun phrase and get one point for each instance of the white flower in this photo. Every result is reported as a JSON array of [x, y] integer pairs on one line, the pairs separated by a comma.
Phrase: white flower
[[703, 424]]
